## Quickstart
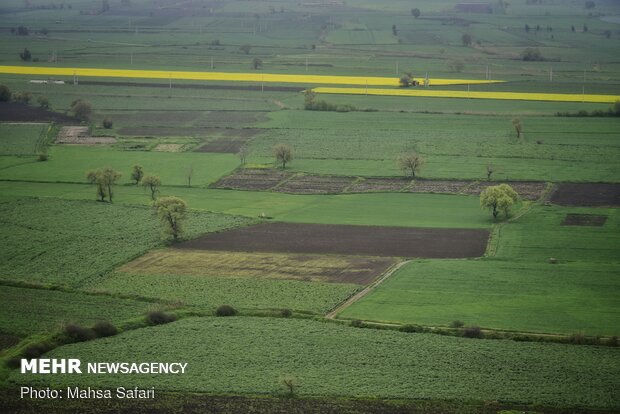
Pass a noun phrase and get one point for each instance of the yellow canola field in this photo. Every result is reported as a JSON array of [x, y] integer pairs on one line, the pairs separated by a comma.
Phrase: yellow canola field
[[256, 77], [521, 96]]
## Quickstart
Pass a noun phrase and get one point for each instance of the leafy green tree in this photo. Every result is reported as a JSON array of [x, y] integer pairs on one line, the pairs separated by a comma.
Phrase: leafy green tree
[[104, 179], [466, 39], [410, 163], [415, 12], [152, 182], [82, 110], [137, 173], [257, 63], [498, 198], [43, 102], [518, 126], [405, 80], [283, 154], [26, 56], [171, 212]]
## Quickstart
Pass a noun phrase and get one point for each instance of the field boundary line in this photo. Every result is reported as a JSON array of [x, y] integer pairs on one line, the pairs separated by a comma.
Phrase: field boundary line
[[332, 314]]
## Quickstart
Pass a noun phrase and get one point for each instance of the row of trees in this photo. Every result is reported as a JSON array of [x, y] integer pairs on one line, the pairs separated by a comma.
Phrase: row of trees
[[171, 211]]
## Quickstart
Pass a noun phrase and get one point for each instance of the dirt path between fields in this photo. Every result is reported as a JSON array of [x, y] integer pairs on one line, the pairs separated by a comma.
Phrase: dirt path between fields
[[332, 314]]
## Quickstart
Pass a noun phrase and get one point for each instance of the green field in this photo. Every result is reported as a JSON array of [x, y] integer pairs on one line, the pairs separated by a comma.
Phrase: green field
[[517, 289], [550, 287], [209, 291], [55, 242], [334, 360], [55, 309]]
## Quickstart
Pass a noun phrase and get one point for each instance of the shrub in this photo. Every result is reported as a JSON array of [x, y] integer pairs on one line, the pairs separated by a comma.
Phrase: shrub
[[42, 157], [473, 332], [457, 324], [577, 339], [22, 97], [82, 110], [532, 55], [104, 328], [286, 313], [411, 328], [613, 341], [159, 318], [225, 310], [43, 102], [356, 323], [5, 93], [36, 350], [78, 333], [107, 122]]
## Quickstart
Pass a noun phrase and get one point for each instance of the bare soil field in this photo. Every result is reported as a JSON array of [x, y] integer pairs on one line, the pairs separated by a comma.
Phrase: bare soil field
[[308, 268], [18, 112], [252, 179], [169, 147], [231, 141], [165, 131], [81, 135], [315, 184], [593, 220], [527, 190], [149, 118], [235, 117], [333, 184], [347, 240], [587, 195]]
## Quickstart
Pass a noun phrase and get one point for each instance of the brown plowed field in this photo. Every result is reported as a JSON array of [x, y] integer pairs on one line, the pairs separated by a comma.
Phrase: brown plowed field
[[252, 179], [584, 220], [347, 240], [315, 184], [527, 190], [17, 112], [587, 195], [437, 186]]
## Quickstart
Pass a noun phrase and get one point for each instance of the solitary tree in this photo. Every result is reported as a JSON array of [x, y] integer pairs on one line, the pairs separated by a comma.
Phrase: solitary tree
[[189, 175], [257, 63], [243, 155], [152, 182], [498, 198], [245, 49], [110, 177], [309, 98], [410, 163], [466, 39], [415, 12], [171, 212], [43, 102], [406, 80], [82, 110], [107, 122], [137, 173], [490, 171], [94, 177], [290, 383], [26, 56], [394, 30], [283, 154], [518, 126]]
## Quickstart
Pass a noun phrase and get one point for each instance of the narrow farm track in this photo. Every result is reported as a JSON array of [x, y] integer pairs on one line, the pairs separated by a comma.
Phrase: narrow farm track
[[332, 314]]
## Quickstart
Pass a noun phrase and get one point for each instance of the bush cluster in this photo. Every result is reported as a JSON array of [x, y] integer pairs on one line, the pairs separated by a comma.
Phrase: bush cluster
[[225, 310], [159, 318], [326, 106]]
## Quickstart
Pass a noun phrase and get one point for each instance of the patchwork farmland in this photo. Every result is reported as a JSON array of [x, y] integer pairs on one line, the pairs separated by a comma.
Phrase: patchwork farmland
[[320, 207]]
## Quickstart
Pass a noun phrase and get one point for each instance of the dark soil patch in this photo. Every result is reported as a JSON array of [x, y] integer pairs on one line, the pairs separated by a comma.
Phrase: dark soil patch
[[18, 112], [154, 118], [437, 186], [379, 184], [587, 195], [315, 184], [252, 179], [584, 220], [8, 341], [527, 190], [347, 240], [198, 86]]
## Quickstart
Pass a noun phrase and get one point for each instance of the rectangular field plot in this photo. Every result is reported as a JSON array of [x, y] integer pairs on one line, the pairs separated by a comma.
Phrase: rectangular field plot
[[246, 355], [41, 310], [594, 195], [345, 239], [312, 268], [545, 277]]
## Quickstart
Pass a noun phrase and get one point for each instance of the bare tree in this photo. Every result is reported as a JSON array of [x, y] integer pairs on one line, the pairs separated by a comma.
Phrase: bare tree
[[283, 154], [410, 162], [490, 171], [518, 126], [243, 155], [290, 382], [190, 175]]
